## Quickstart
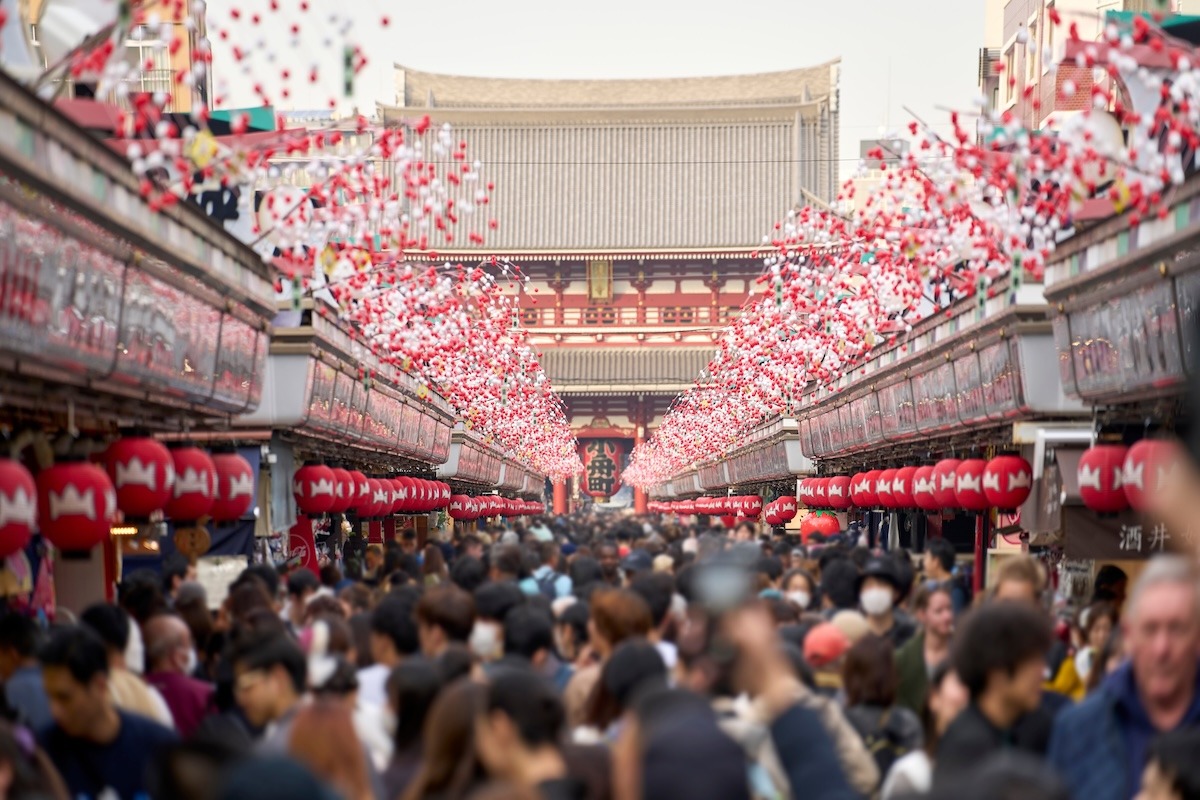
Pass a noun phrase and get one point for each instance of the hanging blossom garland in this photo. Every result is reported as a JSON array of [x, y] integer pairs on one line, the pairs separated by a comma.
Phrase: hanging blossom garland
[[342, 208], [948, 221]]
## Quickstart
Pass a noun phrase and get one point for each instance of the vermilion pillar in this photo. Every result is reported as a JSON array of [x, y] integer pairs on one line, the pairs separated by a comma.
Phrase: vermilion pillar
[[639, 494], [560, 497]]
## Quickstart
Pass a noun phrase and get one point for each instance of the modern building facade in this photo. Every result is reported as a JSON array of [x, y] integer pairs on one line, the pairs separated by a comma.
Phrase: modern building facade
[[636, 209]]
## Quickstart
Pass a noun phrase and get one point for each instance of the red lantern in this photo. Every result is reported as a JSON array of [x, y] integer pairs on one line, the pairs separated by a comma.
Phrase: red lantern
[[838, 492], [344, 491], [459, 507], [1146, 467], [18, 507], [235, 487], [195, 484], [362, 492], [687, 507], [443, 494], [945, 482], [862, 489], [923, 483], [771, 515], [786, 507], [143, 473], [398, 493], [902, 487], [1007, 482], [77, 504], [1101, 481], [805, 491], [883, 488], [313, 488], [381, 498], [968, 485], [820, 497]]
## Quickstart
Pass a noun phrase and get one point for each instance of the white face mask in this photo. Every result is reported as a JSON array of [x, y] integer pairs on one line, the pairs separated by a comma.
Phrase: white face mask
[[189, 668], [800, 599], [485, 641], [876, 602]]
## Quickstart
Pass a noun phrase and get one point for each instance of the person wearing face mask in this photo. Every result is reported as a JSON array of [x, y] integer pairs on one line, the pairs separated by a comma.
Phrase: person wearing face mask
[[171, 658], [799, 589], [878, 586]]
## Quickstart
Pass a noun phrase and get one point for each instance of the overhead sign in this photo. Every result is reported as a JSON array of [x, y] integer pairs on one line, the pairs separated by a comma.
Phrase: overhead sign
[[601, 466]]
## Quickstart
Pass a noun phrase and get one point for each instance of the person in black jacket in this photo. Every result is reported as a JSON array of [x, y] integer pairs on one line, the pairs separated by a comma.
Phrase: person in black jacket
[[999, 655]]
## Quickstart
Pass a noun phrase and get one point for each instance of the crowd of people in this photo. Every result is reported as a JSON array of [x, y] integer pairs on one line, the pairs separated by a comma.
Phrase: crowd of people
[[619, 658]]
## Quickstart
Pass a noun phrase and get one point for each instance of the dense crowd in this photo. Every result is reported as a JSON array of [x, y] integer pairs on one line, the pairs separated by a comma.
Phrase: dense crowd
[[611, 658]]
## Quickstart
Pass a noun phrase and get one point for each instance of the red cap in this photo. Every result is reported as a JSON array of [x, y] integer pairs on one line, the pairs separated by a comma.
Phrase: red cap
[[824, 645]]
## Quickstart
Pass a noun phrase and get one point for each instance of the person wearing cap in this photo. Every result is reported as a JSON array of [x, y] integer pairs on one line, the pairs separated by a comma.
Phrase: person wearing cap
[[637, 562], [878, 589], [824, 647]]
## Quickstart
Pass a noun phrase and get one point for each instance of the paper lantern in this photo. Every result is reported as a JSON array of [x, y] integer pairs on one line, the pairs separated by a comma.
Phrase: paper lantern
[[786, 507], [362, 492], [344, 491], [687, 508], [862, 489], [945, 482], [771, 515], [837, 492], [18, 507], [968, 485], [195, 485], [313, 487], [902, 487], [1146, 467], [142, 472], [460, 507], [381, 499], [77, 504], [883, 488], [1101, 479], [805, 491], [820, 498], [235, 487], [923, 482], [399, 495], [1007, 482]]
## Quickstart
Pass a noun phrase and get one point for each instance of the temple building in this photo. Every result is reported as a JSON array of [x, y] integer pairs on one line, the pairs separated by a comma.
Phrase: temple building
[[637, 208]]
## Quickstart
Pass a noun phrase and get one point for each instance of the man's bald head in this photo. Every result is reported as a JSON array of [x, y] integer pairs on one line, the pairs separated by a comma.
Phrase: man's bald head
[[168, 641]]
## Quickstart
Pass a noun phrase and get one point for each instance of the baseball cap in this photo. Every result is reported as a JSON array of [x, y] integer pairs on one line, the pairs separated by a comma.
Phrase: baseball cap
[[637, 561], [824, 645], [882, 568]]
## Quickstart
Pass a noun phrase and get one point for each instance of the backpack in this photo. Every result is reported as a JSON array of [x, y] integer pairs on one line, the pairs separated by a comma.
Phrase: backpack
[[547, 585], [881, 740]]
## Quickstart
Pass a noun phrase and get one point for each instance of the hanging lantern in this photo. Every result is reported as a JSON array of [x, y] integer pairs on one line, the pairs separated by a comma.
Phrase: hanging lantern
[[343, 491], [945, 482], [820, 497], [399, 495], [1101, 480], [460, 507], [923, 482], [805, 492], [18, 507], [968, 485], [362, 492], [883, 488], [753, 506], [838, 492], [1146, 467], [195, 485], [381, 498], [1007, 482], [444, 493], [474, 509], [235, 487], [862, 489], [313, 488], [902, 487], [77, 505], [786, 507], [143, 473], [771, 515]]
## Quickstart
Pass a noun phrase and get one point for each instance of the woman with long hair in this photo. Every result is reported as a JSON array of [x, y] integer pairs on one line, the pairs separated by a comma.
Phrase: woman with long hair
[[451, 769], [433, 566], [412, 689], [324, 740], [912, 774], [616, 615]]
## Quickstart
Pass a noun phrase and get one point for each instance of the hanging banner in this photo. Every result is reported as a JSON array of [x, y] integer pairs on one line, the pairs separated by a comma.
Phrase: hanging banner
[[302, 549], [601, 466]]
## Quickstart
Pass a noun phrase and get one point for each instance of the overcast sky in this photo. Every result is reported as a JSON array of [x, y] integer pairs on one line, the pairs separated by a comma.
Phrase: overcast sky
[[895, 53]]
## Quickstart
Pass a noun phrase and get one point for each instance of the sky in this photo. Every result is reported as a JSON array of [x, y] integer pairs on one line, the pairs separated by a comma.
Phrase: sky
[[895, 53]]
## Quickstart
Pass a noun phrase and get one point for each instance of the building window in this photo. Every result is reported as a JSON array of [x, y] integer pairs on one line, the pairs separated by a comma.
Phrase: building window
[[531, 316], [1009, 77], [146, 51], [1031, 54]]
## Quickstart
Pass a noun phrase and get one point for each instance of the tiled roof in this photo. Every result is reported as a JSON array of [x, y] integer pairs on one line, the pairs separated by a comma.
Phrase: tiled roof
[[416, 89], [613, 368]]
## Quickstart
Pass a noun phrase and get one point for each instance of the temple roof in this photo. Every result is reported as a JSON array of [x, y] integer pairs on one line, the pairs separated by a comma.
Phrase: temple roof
[[419, 89], [622, 369]]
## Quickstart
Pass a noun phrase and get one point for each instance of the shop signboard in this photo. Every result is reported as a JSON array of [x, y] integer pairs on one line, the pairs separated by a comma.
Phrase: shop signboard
[[1125, 536]]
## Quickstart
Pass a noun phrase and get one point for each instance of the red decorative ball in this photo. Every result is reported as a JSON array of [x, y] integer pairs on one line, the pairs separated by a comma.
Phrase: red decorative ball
[[77, 505], [18, 507], [1007, 482], [143, 473], [1146, 467], [195, 485], [945, 482], [923, 483], [235, 487], [314, 489], [837, 491], [902, 487], [883, 488], [1101, 478], [968, 485]]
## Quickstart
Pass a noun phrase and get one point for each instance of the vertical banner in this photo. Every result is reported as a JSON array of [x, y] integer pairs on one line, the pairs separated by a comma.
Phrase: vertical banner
[[601, 467], [302, 550]]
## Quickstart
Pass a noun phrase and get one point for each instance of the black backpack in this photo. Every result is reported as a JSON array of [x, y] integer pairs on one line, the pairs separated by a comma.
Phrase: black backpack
[[546, 586], [880, 737]]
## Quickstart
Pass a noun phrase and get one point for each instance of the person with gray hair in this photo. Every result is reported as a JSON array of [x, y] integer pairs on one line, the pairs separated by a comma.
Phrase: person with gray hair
[[170, 660], [1100, 746]]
